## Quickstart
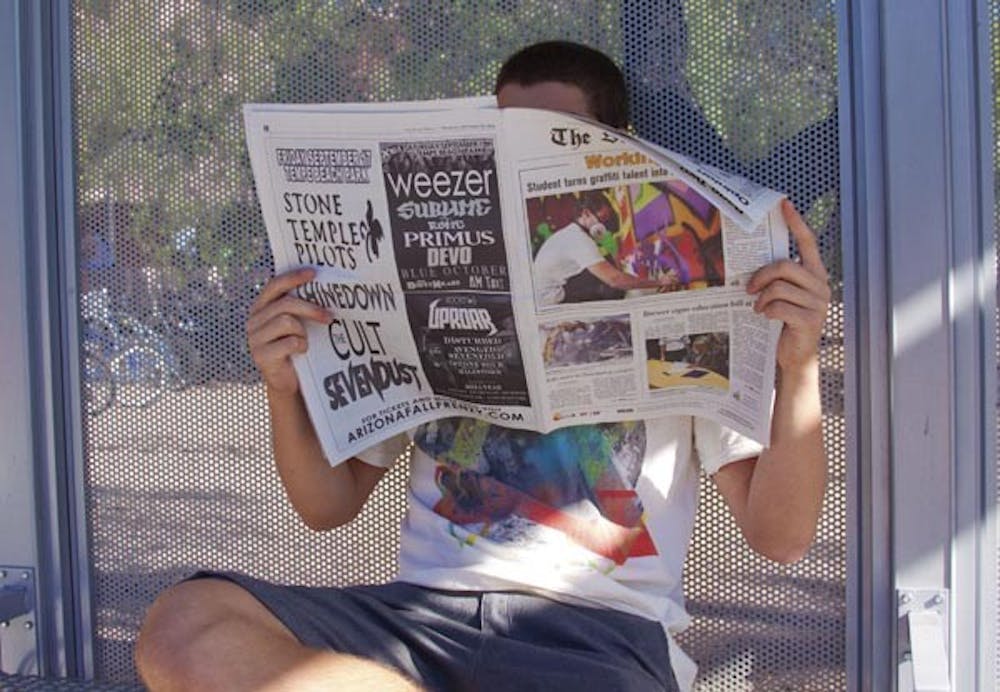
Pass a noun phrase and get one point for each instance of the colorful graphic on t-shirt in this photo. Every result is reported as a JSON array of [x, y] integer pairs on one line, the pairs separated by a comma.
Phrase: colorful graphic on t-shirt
[[504, 483]]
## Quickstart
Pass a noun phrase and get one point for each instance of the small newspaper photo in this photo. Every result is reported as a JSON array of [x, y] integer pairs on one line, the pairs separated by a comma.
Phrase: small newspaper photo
[[529, 268]]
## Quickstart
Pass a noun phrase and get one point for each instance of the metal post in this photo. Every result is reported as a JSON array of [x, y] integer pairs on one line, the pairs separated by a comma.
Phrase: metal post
[[922, 200], [40, 487], [870, 612]]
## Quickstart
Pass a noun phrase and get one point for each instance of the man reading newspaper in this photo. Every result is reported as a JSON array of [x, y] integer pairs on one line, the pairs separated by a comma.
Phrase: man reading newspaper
[[528, 560]]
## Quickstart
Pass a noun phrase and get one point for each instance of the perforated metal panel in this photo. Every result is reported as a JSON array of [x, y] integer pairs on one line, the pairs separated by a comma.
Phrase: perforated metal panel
[[752, 87], [178, 467], [24, 683]]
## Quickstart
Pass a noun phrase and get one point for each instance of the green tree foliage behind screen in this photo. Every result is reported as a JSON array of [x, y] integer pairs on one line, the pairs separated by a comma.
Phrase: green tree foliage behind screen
[[159, 85]]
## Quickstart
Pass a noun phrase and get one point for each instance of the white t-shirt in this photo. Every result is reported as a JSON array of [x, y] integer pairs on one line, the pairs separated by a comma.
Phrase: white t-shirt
[[563, 255], [599, 515]]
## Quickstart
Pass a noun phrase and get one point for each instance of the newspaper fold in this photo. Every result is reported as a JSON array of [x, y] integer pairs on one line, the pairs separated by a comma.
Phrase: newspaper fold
[[527, 267]]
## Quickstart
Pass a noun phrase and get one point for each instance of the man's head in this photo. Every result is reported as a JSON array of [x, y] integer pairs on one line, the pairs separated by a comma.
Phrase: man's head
[[592, 213], [564, 76]]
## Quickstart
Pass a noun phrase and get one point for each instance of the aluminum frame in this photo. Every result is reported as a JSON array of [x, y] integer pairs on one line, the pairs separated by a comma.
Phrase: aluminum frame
[[866, 382], [920, 252], [40, 407]]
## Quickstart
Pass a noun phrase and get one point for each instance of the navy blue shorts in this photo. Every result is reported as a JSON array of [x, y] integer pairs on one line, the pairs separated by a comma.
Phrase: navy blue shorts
[[461, 640]]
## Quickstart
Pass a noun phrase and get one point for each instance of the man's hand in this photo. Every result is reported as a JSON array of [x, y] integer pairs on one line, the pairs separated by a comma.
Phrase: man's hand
[[796, 293], [669, 282], [275, 329]]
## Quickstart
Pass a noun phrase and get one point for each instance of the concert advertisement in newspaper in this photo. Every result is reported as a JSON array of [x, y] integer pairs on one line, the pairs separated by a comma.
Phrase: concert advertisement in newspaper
[[446, 228]]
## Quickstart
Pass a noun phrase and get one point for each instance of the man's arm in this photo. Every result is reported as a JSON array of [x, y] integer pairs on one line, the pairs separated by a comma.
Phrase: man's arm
[[776, 499], [324, 496], [615, 278]]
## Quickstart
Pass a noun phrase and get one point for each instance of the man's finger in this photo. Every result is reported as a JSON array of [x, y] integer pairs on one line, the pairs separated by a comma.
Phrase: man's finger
[[806, 239], [792, 272], [792, 294], [277, 351], [280, 285], [274, 329], [800, 320], [288, 305]]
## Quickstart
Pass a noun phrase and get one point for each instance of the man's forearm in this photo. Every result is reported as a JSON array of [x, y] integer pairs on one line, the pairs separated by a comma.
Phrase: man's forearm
[[789, 479], [323, 496], [610, 275]]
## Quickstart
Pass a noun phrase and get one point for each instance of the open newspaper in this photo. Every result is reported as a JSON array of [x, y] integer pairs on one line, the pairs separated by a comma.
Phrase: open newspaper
[[527, 267]]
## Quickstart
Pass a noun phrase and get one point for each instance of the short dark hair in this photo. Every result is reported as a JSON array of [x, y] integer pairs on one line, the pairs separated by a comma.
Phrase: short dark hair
[[594, 200], [590, 70]]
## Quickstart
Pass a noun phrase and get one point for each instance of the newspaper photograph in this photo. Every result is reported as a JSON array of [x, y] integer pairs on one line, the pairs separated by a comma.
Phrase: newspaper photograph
[[529, 268]]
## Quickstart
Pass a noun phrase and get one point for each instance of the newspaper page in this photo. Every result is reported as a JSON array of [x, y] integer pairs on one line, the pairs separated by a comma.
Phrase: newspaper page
[[612, 354], [526, 267]]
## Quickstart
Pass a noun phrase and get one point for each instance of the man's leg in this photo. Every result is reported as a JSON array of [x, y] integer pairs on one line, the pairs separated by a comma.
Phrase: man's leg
[[212, 634]]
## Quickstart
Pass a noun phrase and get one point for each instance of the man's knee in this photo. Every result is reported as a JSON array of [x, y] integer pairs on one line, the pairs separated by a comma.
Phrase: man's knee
[[185, 628]]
